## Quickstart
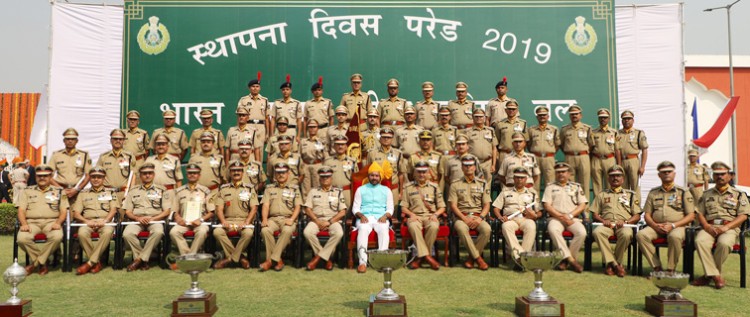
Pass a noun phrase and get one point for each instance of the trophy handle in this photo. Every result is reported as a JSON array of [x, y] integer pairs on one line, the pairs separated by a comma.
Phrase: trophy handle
[[411, 249]]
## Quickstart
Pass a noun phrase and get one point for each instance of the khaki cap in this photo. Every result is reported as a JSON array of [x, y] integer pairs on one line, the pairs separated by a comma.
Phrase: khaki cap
[[462, 139], [207, 136], [409, 109], [356, 77], [43, 169], [281, 167], [169, 114], [461, 86], [97, 171], [692, 152], [70, 133], [342, 109], [117, 134], [393, 82], [425, 135], [235, 165], [161, 138], [541, 110], [616, 170], [147, 167], [241, 110], [720, 167], [205, 113], [245, 144], [133, 114], [192, 167], [602, 113], [428, 86], [665, 166], [562, 166], [520, 172], [626, 114], [373, 113], [517, 137], [574, 109], [340, 139]]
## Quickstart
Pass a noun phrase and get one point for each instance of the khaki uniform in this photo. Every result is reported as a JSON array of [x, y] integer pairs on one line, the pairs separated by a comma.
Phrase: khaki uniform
[[604, 144], [444, 139], [615, 206], [697, 178], [184, 196], [391, 111], [321, 111], [333, 132], [514, 160], [324, 204], [254, 173], [423, 201], [433, 159], [281, 201], [631, 143], [504, 131], [496, 109], [256, 107], [462, 114], [289, 109], [146, 202], [665, 207], [543, 143], [95, 205], [427, 113], [213, 170], [235, 202], [43, 208], [354, 102], [470, 198], [313, 153], [237, 134], [296, 166], [70, 167], [272, 147], [18, 177], [406, 139], [343, 169], [195, 142], [178, 141], [482, 142], [565, 199], [118, 168], [510, 201], [575, 145], [137, 142], [167, 171], [451, 170], [368, 140], [397, 161], [718, 209]]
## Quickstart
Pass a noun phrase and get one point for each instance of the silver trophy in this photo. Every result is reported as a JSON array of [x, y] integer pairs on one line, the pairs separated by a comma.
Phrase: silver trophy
[[387, 261], [538, 261], [194, 264], [14, 275], [670, 284]]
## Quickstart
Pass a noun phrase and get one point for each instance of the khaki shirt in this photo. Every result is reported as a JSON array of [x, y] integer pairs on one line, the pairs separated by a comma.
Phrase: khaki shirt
[[525, 160], [320, 110], [511, 200], [289, 109], [43, 203], [236, 199], [334, 131], [391, 109], [632, 142], [272, 145], [394, 156], [325, 203], [603, 142], [669, 206], [496, 109], [71, 167], [427, 114], [444, 138], [256, 106], [200, 194], [462, 113], [725, 206], [469, 196], [150, 201], [481, 142], [543, 140], [354, 101], [167, 170], [343, 168], [195, 142], [296, 165], [564, 198], [254, 173], [117, 167], [281, 199], [614, 206], [178, 142], [422, 199], [575, 138], [313, 151], [505, 129], [452, 168], [432, 158], [406, 139], [213, 169], [697, 174], [369, 139], [19, 174], [137, 142], [237, 134], [95, 204]]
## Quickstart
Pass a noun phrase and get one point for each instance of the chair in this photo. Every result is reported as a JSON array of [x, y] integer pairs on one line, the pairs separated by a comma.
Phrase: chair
[[739, 248], [443, 236], [41, 238]]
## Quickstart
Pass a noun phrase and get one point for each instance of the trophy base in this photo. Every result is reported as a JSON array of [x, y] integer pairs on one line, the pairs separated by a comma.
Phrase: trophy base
[[387, 308], [16, 310], [194, 306], [658, 306], [533, 308]]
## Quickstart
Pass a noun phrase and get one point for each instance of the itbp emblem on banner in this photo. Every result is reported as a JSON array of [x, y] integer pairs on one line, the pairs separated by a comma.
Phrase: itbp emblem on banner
[[580, 37], [153, 37]]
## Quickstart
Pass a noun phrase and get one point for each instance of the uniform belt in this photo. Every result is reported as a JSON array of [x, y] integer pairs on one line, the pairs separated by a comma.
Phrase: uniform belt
[[542, 154], [506, 151], [529, 185], [393, 122], [214, 186], [293, 126], [141, 157], [631, 156], [719, 222], [472, 214], [118, 189], [464, 126], [604, 156], [577, 153], [314, 162], [321, 126], [449, 152], [256, 121], [698, 185], [169, 187]]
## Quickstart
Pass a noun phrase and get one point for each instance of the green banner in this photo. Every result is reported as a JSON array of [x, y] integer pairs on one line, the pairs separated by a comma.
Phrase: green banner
[[187, 55]]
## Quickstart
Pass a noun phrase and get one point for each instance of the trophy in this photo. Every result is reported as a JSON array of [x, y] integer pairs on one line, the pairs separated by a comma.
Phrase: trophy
[[387, 302], [669, 301], [15, 306], [538, 302], [194, 301]]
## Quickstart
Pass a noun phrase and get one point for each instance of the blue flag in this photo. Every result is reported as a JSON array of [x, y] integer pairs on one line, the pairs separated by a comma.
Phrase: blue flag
[[694, 114]]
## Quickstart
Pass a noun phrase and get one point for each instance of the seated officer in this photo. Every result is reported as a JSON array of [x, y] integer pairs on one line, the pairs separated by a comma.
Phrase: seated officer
[[325, 207], [668, 210], [522, 203], [469, 198], [373, 207], [614, 207], [236, 206], [191, 208], [423, 204], [564, 201], [145, 204], [281, 203], [41, 209], [721, 211], [95, 207]]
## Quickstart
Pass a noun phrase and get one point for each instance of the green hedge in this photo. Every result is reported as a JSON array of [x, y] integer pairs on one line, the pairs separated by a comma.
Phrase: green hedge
[[8, 215]]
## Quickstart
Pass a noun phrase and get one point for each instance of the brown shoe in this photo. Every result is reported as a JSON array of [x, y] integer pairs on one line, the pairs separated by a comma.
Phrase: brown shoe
[[244, 263], [563, 265], [221, 264], [265, 266], [362, 268], [433, 263], [329, 265], [135, 265], [96, 268], [43, 270], [620, 270], [173, 267], [279, 266], [701, 281], [576, 266], [657, 269], [83, 269], [469, 264], [417, 263], [313, 263], [719, 282], [145, 266], [609, 270], [481, 264]]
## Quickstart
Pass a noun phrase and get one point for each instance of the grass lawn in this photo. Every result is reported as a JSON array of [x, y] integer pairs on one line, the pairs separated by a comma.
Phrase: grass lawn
[[296, 292]]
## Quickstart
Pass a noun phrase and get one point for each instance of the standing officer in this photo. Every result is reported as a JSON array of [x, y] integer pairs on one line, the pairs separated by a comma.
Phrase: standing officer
[[167, 169], [427, 155], [564, 202], [207, 119], [632, 142], [286, 107], [145, 204], [369, 135], [70, 165], [386, 152], [236, 207], [118, 165], [427, 109], [522, 203], [507, 127], [392, 109], [325, 207], [721, 211], [343, 167], [519, 158], [339, 129], [461, 109], [312, 150], [282, 127], [254, 174], [319, 109], [242, 131], [444, 133], [497, 105], [575, 144], [669, 209], [18, 178], [615, 207], [95, 207], [452, 166], [293, 161], [469, 199], [544, 141], [257, 107], [483, 145], [407, 137], [192, 208], [281, 203], [136, 139], [178, 142], [605, 151], [41, 209], [212, 165], [697, 179], [422, 205], [356, 100]]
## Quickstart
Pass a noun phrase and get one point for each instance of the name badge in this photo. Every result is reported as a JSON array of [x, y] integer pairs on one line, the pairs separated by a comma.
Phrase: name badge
[[245, 195], [79, 161], [610, 139], [550, 136], [122, 163], [347, 167], [582, 134], [432, 162], [333, 199], [287, 193], [488, 135], [139, 139], [292, 161], [517, 127], [526, 198], [252, 170], [451, 137], [51, 196], [153, 195], [632, 137], [168, 166], [213, 162], [104, 197], [318, 146], [623, 199]]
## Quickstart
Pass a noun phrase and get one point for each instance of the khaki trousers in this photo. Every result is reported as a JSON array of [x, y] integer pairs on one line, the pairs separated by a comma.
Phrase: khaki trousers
[[712, 262], [555, 229], [580, 170], [631, 167], [528, 227], [130, 234], [39, 254], [547, 167], [275, 248], [231, 251], [176, 235], [94, 251], [599, 174], [335, 232], [424, 241], [624, 238], [475, 248], [675, 238]]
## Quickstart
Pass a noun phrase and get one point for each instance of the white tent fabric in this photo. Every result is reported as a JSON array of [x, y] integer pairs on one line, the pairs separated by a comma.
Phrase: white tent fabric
[[650, 82]]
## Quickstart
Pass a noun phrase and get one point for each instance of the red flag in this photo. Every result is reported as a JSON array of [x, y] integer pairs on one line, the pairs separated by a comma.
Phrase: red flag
[[713, 133], [359, 178]]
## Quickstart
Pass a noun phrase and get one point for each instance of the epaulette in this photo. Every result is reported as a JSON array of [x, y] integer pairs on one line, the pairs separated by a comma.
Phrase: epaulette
[[225, 185], [181, 188], [271, 185], [628, 191], [655, 188], [160, 187], [457, 180]]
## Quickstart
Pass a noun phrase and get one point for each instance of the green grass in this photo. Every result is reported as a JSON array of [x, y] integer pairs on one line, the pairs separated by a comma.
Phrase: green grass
[[296, 292]]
